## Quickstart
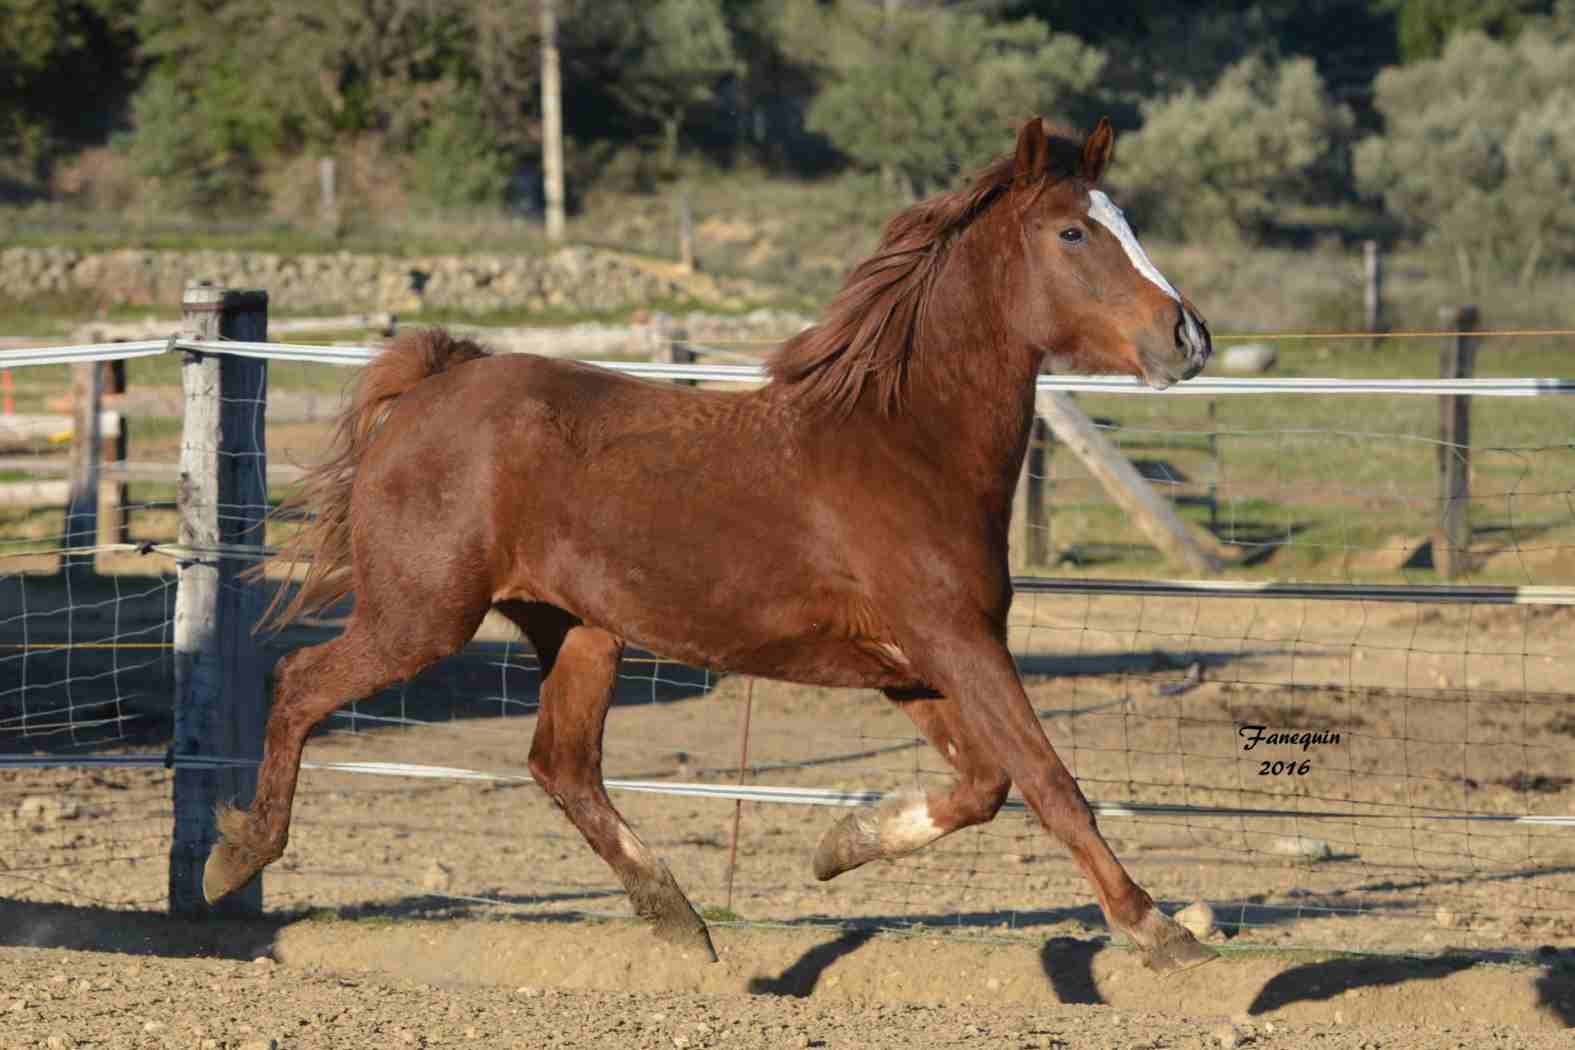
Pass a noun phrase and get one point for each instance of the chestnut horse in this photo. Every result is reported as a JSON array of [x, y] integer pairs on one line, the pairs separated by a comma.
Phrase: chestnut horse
[[843, 525]]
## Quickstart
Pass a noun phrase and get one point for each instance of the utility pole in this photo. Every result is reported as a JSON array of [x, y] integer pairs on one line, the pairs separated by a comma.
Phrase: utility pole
[[888, 172], [551, 120]]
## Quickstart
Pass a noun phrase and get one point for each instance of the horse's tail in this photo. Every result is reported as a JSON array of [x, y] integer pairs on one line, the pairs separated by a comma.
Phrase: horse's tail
[[324, 493]]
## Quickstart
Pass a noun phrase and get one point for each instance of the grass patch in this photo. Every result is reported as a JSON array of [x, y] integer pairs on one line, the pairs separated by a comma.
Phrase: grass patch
[[377, 921]]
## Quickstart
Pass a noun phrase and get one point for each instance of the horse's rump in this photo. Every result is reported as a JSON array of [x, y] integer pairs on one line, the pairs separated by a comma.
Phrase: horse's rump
[[324, 542]]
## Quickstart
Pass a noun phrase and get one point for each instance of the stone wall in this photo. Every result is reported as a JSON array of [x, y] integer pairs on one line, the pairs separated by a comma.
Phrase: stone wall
[[572, 278]]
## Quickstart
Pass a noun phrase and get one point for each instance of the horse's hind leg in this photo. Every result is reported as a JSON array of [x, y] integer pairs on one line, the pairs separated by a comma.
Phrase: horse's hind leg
[[311, 683], [579, 671], [901, 826]]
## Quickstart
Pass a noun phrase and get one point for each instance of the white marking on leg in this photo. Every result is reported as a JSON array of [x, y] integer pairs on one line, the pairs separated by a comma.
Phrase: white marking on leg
[[1103, 210], [907, 827], [633, 848]]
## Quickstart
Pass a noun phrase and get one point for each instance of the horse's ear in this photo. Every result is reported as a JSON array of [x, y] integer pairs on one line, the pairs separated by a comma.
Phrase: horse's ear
[[1033, 152], [1097, 150]]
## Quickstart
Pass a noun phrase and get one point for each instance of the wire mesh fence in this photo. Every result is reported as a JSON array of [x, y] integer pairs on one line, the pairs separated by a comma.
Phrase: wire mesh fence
[[1423, 797]]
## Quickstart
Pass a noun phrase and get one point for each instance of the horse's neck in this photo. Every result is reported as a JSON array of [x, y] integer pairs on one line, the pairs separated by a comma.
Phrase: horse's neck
[[971, 376], [970, 397]]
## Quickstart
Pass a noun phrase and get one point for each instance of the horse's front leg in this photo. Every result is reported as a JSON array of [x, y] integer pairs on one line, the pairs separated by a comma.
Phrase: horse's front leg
[[976, 668]]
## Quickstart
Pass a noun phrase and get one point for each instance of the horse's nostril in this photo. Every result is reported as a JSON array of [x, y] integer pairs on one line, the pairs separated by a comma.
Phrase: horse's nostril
[[1192, 336]]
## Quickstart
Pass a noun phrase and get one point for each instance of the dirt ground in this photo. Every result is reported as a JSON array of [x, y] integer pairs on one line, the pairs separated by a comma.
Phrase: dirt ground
[[145, 981]]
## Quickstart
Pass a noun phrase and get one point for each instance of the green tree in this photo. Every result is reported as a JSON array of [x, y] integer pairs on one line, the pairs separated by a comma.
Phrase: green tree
[[236, 86], [1425, 27], [927, 94], [456, 161], [65, 66], [1478, 148], [1228, 161], [674, 53]]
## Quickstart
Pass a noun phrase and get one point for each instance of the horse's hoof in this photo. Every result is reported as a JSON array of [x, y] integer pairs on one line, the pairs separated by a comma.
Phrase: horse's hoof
[[1169, 947], [658, 900], [226, 871], [1172, 958], [686, 933], [849, 843]]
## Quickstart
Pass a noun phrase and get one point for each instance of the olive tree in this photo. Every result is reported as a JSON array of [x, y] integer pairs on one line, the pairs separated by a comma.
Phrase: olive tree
[[1228, 161], [929, 94], [1478, 151], [676, 52]]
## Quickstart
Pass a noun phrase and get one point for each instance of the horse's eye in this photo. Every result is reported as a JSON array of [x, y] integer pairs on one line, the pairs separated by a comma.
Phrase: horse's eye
[[1072, 235]]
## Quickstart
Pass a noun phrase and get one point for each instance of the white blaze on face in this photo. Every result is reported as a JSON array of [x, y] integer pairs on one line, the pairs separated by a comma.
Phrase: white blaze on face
[[1104, 211]]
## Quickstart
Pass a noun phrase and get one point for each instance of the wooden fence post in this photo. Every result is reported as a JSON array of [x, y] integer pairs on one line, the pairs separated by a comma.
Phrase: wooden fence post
[[1030, 535], [222, 498], [670, 345], [1373, 288], [686, 231], [87, 403], [1452, 538], [1133, 494], [114, 522], [328, 191]]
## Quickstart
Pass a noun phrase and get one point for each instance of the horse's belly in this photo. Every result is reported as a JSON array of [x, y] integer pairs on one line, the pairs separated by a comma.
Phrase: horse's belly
[[768, 602], [854, 663]]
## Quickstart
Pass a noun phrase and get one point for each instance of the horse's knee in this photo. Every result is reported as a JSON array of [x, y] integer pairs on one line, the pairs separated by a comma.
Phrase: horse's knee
[[979, 800]]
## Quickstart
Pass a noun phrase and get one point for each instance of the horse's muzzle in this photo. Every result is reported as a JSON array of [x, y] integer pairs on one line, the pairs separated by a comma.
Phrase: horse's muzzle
[[1188, 352]]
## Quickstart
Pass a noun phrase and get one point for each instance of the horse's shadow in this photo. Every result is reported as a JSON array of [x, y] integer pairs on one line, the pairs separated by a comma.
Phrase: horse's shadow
[[1333, 977], [1068, 964], [800, 978], [87, 928], [91, 928]]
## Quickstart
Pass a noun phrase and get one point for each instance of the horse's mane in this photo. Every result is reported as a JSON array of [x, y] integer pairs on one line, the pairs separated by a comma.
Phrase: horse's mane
[[868, 330]]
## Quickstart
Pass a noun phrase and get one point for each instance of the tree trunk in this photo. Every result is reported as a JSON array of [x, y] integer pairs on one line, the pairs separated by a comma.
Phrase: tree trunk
[[670, 128], [890, 180], [1529, 269]]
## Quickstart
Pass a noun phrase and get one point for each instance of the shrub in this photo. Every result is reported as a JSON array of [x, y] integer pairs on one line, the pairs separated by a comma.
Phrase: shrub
[[1230, 160], [455, 162], [1478, 152], [926, 95]]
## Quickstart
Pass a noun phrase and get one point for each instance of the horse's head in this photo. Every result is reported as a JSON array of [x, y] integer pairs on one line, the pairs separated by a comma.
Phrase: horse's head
[[1091, 299]]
